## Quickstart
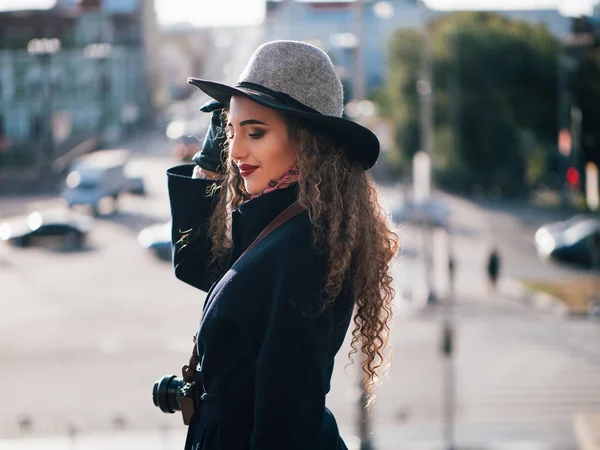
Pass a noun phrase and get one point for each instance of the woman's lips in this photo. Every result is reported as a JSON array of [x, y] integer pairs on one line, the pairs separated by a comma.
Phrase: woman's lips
[[247, 170]]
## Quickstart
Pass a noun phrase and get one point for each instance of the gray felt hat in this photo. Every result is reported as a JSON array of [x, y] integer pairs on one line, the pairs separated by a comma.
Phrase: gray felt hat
[[299, 79]]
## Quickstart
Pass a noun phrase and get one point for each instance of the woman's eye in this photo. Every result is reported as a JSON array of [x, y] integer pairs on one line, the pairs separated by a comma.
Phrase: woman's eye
[[256, 135]]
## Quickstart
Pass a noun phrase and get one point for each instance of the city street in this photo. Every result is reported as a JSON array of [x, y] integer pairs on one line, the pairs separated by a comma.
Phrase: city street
[[85, 335], [521, 374]]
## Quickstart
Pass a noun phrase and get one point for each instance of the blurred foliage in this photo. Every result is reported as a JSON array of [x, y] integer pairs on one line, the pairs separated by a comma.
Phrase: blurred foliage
[[495, 81], [585, 85]]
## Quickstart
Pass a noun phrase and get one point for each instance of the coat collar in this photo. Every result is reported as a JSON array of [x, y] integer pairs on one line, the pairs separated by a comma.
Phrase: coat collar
[[253, 216]]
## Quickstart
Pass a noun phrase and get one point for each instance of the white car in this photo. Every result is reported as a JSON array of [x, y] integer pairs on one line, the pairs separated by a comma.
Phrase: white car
[[431, 212]]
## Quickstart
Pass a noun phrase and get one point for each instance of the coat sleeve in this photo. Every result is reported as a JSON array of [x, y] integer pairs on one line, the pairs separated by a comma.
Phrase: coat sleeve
[[191, 210], [291, 368]]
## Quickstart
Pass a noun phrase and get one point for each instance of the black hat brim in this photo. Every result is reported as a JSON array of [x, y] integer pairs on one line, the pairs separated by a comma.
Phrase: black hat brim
[[361, 143]]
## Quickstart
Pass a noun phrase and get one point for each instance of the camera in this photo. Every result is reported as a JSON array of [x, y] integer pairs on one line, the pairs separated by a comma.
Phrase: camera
[[172, 394]]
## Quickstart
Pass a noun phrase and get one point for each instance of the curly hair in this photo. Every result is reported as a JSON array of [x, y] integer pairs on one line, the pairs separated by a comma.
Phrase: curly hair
[[348, 222]]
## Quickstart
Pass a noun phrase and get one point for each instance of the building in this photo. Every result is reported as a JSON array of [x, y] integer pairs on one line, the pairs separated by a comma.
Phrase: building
[[333, 26], [79, 69]]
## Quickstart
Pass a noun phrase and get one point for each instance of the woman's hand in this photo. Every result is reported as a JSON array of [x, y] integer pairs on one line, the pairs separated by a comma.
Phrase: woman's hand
[[212, 157], [204, 174]]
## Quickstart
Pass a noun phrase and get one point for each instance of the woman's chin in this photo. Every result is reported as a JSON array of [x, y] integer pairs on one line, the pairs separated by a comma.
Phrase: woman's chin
[[253, 188]]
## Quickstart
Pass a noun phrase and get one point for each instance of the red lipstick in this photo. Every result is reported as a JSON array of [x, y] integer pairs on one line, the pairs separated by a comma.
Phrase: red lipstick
[[246, 169]]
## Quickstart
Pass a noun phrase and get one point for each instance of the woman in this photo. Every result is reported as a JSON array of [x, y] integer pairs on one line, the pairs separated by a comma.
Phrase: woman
[[275, 317]]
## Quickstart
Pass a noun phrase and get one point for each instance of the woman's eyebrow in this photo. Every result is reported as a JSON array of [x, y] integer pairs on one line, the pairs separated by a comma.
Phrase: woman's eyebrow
[[249, 122]]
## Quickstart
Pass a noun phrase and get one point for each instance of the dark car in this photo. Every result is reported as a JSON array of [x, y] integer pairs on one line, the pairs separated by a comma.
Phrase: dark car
[[576, 241], [157, 239], [48, 229]]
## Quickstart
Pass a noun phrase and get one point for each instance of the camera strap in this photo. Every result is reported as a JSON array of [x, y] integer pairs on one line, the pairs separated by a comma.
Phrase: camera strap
[[189, 370], [291, 211]]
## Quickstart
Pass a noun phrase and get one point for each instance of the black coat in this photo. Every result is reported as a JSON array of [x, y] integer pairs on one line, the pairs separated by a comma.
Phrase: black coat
[[266, 357]]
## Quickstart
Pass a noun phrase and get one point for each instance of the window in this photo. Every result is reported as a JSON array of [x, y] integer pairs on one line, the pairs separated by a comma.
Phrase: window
[[17, 37], [31, 80], [37, 128]]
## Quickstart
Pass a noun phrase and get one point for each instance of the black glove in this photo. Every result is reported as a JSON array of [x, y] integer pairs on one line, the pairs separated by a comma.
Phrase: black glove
[[209, 158]]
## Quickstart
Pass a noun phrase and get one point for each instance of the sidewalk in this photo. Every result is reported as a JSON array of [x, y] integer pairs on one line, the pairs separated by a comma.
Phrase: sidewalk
[[123, 440]]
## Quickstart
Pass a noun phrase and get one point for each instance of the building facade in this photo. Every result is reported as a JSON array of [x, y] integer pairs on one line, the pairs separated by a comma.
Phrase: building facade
[[70, 72], [333, 26]]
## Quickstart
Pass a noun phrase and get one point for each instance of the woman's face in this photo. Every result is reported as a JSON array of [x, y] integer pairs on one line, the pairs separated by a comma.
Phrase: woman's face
[[259, 143]]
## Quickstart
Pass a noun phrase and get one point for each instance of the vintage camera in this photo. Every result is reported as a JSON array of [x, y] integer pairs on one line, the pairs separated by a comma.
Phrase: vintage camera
[[172, 394]]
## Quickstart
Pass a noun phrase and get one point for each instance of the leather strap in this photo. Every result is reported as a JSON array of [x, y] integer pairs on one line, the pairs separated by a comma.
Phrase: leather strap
[[293, 210]]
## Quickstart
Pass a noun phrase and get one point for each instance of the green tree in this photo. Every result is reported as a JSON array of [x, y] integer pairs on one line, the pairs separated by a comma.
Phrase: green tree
[[586, 95], [494, 82]]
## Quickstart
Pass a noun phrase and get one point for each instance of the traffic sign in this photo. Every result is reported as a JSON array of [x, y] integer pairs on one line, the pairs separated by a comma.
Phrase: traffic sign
[[564, 142]]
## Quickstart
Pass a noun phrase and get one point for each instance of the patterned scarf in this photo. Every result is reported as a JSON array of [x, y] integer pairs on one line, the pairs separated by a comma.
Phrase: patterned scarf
[[288, 178]]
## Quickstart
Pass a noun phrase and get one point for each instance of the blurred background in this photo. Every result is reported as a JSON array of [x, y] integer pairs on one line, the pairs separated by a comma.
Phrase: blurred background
[[489, 117]]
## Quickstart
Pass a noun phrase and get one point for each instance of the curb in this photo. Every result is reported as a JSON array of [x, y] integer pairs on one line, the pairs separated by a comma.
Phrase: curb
[[546, 302], [539, 300]]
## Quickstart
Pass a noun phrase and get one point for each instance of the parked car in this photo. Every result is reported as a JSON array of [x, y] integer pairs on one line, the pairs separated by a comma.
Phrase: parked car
[[576, 240], [47, 229], [96, 176], [594, 305], [157, 239], [136, 185], [187, 136], [431, 212], [135, 179]]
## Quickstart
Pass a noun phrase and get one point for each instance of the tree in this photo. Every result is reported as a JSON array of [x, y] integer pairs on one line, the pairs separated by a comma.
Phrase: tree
[[586, 95], [505, 110]]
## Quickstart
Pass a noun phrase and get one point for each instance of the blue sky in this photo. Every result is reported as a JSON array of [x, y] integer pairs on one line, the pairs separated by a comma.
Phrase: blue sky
[[239, 12]]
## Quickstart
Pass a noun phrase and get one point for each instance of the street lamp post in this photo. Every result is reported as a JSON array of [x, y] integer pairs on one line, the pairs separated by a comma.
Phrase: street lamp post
[[359, 88], [359, 93], [562, 115], [449, 323], [448, 339], [568, 114], [425, 92]]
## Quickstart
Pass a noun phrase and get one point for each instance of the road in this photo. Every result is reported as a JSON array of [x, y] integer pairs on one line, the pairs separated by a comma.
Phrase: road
[[85, 335], [521, 375]]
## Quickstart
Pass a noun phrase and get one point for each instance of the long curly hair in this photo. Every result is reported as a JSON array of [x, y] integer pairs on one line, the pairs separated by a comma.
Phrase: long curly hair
[[348, 222]]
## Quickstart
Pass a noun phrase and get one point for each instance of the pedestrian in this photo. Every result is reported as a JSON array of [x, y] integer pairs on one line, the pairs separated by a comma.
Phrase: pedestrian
[[275, 316], [451, 270], [493, 267]]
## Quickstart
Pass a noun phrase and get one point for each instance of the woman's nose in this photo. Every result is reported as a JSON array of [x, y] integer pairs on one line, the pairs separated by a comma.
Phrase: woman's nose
[[237, 150]]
